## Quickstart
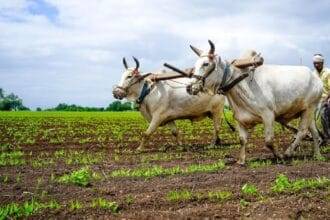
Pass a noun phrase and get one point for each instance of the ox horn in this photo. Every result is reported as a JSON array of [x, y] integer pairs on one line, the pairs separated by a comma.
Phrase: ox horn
[[125, 63], [196, 50], [212, 47], [137, 63]]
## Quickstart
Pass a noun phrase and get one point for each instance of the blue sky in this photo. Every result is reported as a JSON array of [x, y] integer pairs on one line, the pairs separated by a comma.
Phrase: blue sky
[[70, 51]]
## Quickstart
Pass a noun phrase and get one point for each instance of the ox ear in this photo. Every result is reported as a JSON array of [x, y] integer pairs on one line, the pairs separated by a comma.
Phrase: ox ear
[[125, 63], [196, 50]]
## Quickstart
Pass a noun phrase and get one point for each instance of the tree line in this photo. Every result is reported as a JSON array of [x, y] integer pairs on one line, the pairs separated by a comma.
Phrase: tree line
[[114, 106], [12, 102]]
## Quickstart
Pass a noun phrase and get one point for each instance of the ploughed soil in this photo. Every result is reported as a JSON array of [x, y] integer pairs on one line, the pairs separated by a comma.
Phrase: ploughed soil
[[140, 198]]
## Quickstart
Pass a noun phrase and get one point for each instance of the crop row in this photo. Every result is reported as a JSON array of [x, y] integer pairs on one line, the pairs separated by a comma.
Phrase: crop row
[[23, 129]]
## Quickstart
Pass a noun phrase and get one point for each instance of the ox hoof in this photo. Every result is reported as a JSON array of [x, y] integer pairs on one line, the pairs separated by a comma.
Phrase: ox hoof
[[241, 163]]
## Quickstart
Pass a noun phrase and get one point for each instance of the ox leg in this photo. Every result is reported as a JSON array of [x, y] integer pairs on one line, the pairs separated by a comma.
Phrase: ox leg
[[155, 122], [216, 124], [305, 122], [243, 136], [316, 138], [269, 134], [175, 132]]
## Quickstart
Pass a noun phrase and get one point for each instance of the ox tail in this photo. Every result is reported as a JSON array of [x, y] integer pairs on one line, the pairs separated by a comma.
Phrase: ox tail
[[320, 113], [232, 128]]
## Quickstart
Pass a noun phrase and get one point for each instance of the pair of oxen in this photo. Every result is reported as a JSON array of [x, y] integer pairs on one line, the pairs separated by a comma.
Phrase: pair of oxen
[[266, 94]]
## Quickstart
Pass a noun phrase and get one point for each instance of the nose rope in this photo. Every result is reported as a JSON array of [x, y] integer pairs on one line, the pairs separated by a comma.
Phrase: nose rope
[[185, 84], [131, 83]]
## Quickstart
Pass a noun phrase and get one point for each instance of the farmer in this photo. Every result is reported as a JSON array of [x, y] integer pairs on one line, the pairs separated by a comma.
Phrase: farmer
[[324, 73]]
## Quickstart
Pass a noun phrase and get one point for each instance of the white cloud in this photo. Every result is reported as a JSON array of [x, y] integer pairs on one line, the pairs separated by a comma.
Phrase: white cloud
[[78, 54]]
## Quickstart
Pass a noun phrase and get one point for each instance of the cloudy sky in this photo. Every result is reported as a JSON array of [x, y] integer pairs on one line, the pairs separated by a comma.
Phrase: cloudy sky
[[70, 51]]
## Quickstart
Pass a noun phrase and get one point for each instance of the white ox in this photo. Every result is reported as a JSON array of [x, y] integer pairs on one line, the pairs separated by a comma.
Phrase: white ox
[[167, 102], [271, 93]]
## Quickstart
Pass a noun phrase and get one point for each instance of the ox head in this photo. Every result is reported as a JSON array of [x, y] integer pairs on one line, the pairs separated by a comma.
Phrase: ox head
[[205, 65], [129, 79]]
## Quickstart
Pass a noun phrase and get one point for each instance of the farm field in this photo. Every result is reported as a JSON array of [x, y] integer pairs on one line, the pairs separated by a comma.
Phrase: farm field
[[77, 165]]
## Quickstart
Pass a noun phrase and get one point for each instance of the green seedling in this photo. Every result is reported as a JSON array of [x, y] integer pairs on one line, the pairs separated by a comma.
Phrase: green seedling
[[82, 177], [105, 204]]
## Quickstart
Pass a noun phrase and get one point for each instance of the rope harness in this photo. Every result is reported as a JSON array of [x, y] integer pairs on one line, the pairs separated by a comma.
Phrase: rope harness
[[146, 89]]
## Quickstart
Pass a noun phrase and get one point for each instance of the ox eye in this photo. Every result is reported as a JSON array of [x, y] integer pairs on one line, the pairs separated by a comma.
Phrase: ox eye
[[128, 77], [205, 64]]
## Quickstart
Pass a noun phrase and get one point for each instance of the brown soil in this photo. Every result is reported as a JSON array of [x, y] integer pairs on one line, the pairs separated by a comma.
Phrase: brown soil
[[149, 195]]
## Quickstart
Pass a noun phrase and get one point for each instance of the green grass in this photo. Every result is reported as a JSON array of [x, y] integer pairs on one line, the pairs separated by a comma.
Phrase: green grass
[[14, 210], [129, 199], [4, 178], [101, 203], [124, 155], [160, 157], [283, 184], [13, 158], [23, 129], [79, 157], [325, 149], [219, 196], [249, 190], [42, 162], [53, 205], [204, 168], [259, 163], [243, 203], [82, 158], [82, 177], [297, 162], [156, 170], [75, 205], [105, 204], [184, 195], [179, 195]]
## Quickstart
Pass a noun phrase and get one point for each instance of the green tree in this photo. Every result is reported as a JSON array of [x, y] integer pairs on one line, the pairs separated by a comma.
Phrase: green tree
[[119, 106], [1, 93], [73, 107], [11, 102]]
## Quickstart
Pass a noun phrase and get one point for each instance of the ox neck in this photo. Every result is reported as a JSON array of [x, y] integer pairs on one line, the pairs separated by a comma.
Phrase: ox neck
[[241, 97], [221, 76], [134, 91]]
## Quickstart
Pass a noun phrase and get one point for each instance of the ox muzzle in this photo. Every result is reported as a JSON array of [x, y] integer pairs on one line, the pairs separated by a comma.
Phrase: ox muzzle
[[119, 92], [199, 86], [195, 88]]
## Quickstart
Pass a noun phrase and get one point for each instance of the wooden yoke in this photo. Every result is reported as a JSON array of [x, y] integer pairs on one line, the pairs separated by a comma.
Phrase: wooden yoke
[[168, 75], [244, 63]]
